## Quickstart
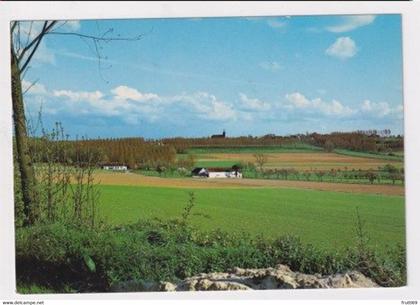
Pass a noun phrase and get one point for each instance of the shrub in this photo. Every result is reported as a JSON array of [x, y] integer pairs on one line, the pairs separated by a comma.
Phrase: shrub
[[66, 258], [390, 168], [371, 176], [329, 146]]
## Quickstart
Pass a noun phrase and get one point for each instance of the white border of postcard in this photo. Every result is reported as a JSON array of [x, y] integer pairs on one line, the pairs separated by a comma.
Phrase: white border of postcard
[[410, 11]]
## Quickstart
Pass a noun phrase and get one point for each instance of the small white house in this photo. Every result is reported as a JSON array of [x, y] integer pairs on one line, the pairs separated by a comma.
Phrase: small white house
[[225, 174], [115, 167], [233, 172]]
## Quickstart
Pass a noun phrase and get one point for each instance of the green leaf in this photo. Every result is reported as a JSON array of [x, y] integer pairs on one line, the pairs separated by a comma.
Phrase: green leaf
[[89, 263]]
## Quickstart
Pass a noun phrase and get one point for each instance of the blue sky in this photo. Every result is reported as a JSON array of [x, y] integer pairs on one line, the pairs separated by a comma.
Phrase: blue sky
[[195, 77]]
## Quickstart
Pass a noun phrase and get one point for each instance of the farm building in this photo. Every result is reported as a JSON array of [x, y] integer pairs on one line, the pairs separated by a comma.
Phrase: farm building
[[217, 172], [200, 172], [115, 167]]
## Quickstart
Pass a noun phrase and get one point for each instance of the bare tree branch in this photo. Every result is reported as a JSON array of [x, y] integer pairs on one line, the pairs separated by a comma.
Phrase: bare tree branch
[[98, 38], [61, 25], [34, 41], [47, 27], [29, 33], [23, 75], [30, 86], [18, 35], [30, 55], [44, 31], [12, 28]]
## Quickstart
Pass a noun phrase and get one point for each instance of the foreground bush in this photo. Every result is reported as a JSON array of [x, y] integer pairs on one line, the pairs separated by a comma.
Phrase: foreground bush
[[67, 258]]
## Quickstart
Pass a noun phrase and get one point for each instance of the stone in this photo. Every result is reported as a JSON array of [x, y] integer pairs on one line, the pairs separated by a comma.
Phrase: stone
[[280, 277], [167, 286]]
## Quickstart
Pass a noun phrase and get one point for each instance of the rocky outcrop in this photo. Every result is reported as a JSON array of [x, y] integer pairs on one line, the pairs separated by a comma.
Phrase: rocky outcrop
[[280, 277]]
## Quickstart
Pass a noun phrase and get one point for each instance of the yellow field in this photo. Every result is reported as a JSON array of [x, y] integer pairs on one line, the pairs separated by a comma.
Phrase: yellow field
[[314, 160]]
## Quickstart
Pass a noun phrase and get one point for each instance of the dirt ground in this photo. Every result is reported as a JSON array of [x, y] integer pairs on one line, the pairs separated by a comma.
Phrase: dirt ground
[[313, 160], [140, 180]]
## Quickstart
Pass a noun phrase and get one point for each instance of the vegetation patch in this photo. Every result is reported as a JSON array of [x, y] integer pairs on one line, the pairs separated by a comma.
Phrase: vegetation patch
[[322, 218], [66, 258], [299, 161], [393, 156]]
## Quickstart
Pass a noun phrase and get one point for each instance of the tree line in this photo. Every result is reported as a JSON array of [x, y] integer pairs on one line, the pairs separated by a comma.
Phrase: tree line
[[133, 152], [364, 141], [155, 154]]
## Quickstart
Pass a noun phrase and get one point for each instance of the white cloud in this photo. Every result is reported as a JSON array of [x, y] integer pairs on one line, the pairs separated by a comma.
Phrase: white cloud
[[342, 48], [129, 104], [368, 109], [71, 25], [94, 102], [273, 22], [220, 111], [270, 65], [299, 101], [380, 109], [33, 88], [253, 103], [335, 108], [207, 106], [350, 23], [132, 106], [127, 93], [77, 96]]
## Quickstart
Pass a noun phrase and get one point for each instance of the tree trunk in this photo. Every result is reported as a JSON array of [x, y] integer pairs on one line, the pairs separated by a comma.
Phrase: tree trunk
[[24, 160]]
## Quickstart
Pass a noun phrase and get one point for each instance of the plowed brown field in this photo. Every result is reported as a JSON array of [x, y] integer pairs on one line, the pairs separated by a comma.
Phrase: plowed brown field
[[140, 180]]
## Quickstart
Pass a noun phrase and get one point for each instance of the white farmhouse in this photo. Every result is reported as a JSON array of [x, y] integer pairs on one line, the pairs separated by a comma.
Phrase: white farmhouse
[[225, 174], [121, 168], [233, 172]]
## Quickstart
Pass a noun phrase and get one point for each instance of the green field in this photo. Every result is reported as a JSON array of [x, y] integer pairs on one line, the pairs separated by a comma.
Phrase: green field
[[399, 156], [326, 219], [292, 148], [217, 163]]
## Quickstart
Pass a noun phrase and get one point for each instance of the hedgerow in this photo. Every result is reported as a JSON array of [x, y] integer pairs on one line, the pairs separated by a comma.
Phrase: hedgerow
[[65, 257]]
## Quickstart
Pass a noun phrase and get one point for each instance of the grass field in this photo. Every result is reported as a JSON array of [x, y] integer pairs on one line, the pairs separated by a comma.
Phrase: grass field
[[211, 163], [323, 218], [398, 156], [320, 213]]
